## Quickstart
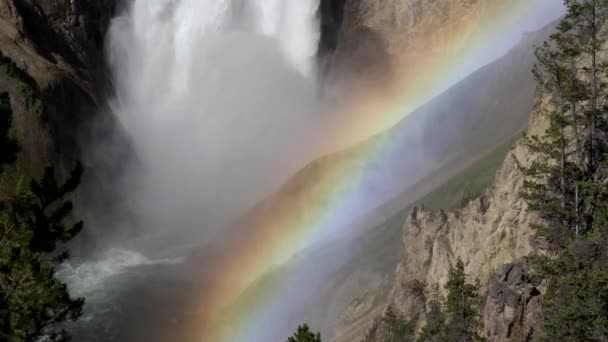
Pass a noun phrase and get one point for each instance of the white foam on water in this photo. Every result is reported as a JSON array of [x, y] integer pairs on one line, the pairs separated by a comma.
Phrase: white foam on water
[[91, 276]]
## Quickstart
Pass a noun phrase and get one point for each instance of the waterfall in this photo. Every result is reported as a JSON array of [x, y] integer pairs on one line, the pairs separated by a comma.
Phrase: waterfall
[[215, 96]]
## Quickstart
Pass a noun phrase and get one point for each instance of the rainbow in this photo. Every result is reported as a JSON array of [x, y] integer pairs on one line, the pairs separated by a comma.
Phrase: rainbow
[[274, 232]]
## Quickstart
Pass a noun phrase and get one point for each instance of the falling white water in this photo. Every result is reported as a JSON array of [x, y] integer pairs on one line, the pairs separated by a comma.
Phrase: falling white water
[[217, 97], [212, 95], [292, 23], [166, 36]]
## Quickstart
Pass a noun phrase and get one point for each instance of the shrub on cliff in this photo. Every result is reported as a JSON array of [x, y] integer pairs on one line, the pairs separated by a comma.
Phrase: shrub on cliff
[[33, 302], [303, 334]]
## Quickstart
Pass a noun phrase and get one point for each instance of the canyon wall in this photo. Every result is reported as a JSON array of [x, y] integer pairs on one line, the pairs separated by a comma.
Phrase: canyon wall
[[52, 67]]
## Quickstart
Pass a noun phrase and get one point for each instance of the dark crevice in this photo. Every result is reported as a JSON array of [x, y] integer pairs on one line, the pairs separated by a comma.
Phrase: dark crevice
[[508, 272], [331, 17]]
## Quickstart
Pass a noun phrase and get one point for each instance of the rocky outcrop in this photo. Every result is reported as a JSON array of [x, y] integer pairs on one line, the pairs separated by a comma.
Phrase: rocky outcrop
[[491, 234], [512, 310], [492, 230], [488, 232]]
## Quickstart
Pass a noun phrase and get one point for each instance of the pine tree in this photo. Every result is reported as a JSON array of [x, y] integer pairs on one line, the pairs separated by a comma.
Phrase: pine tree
[[567, 183], [551, 73], [553, 180], [456, 318], [574, 306], [303, 334], [461, 306], [585, 19], [435, 328], [34, 304], [396, 328]]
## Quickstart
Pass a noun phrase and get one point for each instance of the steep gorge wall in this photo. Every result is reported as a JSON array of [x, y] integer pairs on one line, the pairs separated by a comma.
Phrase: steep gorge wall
[[364, 36], [52, 67], [48, 38]]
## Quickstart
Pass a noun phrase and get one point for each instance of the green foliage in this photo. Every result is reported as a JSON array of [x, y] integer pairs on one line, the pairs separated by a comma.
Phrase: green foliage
[[396, 328], [435, 329], [576, 301], [303, 334], [562, 182], [33, 302], [566, 184], [456, 318], [461, 306]]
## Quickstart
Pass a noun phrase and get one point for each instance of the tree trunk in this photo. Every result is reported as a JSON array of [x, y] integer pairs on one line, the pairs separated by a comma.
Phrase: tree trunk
[[573, 102], [562, 149], [576, 205], [593, 116]]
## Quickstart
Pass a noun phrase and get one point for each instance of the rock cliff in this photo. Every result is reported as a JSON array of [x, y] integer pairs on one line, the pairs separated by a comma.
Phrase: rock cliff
[[51, 39], [52, 67], [367, 35]]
